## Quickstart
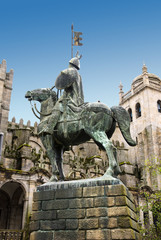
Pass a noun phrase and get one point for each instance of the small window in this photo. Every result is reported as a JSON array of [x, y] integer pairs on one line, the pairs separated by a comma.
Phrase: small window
[[146, 219], [156, 210], [130, 113], [138, 110], [159, 106], [19, 163]]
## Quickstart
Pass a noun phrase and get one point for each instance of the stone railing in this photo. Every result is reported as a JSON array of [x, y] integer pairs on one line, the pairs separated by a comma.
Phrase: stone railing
[[126, 95], [8, 234], [138, 87]]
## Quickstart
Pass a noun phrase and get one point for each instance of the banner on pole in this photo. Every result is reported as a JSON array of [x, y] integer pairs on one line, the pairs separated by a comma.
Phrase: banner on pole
[[77, 39]]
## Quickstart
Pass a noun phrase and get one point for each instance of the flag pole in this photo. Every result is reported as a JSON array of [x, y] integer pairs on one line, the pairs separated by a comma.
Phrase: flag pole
[[72, 42]]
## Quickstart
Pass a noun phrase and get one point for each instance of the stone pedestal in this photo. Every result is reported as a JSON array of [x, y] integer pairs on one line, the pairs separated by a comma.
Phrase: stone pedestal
[[79, 210]]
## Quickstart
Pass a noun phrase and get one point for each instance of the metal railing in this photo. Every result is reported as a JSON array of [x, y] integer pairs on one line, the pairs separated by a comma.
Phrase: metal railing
[[8, 234]]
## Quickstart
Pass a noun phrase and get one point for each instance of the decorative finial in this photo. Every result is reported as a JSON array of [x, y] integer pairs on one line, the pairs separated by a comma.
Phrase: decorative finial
[[144, 68], [21, 123], [121, 86], [121, 92], [28, 123], [13, 119]]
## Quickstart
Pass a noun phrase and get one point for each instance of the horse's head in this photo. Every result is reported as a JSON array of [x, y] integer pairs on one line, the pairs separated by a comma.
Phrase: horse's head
[[41, 94]]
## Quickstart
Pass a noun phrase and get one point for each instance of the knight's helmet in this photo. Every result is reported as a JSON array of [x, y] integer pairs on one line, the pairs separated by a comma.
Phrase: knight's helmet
[[75, 61]]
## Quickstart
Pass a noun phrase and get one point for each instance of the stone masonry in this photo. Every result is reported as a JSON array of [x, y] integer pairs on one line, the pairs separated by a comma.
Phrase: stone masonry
[[6, 80], [83, 212]]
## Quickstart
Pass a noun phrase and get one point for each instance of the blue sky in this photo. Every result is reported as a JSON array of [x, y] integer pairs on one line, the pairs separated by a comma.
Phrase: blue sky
[[118, 36]]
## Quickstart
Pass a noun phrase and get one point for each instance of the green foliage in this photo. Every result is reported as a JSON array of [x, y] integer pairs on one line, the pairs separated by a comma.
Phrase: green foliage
[[125, 162], [11, 152], [15, 170], [133, 189], [152, 202], [23, 145], [35, 157], [153, 165], [26, 230], [86, 167]]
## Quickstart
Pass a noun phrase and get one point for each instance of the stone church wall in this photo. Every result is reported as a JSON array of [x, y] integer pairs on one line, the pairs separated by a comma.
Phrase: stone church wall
[[6, 80]]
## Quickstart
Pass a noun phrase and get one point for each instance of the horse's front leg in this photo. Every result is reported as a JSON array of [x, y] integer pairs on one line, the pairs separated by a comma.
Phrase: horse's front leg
[[47, 141], [59, 161]]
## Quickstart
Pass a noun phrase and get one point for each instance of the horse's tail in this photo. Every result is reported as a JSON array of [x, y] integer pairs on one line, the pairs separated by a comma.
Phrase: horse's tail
[[123, 119]]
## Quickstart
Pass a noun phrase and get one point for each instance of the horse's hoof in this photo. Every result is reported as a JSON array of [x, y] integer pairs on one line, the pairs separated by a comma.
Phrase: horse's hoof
[[53, 179], [109, 172], [62, 180], [107, 177]]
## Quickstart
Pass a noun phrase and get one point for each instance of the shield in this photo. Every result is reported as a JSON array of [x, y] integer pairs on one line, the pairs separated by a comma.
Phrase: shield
[[66, 78]]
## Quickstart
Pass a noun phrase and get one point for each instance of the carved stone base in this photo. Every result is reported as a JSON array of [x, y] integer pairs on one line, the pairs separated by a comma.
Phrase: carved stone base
[[84, 210]]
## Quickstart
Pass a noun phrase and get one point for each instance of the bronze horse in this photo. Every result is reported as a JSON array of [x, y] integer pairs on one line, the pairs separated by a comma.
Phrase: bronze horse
[[95, 120]]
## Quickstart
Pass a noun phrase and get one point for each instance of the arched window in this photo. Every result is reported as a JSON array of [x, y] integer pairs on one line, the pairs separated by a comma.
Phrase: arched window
[[159, 105], [4, 206], [12, 215], [130, 113], [138, 110]]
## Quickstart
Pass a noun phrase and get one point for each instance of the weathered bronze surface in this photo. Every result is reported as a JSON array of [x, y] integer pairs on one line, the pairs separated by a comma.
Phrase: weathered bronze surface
[[72, 121]]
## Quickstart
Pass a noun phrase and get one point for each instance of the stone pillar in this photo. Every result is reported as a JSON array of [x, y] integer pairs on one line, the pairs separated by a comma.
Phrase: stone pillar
[[1, 143], [6, 80], [99, 210], [25, 208], [121, 93]]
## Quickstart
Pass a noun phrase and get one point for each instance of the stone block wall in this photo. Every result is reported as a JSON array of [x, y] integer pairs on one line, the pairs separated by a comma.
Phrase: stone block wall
[[79, 213], [6, 80]]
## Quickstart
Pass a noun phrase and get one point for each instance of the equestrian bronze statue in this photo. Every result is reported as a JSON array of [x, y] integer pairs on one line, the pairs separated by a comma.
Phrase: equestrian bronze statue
[[69, 121]]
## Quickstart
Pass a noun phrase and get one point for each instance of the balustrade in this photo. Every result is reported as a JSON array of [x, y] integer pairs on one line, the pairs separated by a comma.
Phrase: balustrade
[[8, 234]]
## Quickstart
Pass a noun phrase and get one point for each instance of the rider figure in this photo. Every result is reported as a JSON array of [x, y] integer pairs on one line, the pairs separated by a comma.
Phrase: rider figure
[[69, 80]]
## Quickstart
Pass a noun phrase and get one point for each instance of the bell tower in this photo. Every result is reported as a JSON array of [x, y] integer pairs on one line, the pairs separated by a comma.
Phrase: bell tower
[[143, 102]]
